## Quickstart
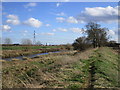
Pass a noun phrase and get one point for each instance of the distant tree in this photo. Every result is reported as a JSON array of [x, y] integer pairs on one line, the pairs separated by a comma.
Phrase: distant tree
[[26, 41], [96, 35], [7, 41], [38, 43], [111, 43], [81, 43]]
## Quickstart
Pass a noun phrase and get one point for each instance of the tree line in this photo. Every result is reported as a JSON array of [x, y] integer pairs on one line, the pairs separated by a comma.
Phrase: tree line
[[23, 41], [96, 36]]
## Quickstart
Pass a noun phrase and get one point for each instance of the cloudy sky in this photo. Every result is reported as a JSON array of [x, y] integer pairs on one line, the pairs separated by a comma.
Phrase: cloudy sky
[[56, 22]]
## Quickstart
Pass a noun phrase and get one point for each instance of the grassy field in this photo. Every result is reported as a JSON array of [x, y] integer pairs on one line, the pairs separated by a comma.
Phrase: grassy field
[[14, 51], [96, 68], [27, 47]]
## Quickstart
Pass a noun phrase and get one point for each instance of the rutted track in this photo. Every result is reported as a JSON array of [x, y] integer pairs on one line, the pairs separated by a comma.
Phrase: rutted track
[[103, 69]]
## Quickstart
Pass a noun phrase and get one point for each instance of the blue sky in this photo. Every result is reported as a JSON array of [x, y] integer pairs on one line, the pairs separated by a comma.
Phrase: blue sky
[[54, 22]]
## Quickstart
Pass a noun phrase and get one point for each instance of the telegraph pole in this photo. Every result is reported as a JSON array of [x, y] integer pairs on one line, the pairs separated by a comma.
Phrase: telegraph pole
[[34, 41]]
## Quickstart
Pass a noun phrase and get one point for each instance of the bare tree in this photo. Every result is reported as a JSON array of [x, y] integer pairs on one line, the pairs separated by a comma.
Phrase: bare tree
[[26, 41], [7, 41], [96, 34]]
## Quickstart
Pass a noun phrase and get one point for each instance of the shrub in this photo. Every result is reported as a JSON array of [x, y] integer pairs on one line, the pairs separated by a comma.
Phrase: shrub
[[81, 44]]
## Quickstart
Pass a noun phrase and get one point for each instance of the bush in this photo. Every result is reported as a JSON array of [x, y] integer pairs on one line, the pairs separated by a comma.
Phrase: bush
[[81, 44]]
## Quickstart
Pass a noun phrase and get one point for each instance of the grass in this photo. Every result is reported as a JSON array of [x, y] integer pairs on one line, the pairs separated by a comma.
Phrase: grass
[[27, 47], [64, 70], [52, 70], [74, 86], [105, 67], [15, 53]]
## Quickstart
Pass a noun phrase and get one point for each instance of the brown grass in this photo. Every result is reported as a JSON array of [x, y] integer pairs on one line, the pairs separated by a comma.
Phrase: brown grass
[[14, 53], [49, 70]]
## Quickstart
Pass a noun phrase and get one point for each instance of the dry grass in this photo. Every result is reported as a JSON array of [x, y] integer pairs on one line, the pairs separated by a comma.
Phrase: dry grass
[[52, 70], [14, 53]]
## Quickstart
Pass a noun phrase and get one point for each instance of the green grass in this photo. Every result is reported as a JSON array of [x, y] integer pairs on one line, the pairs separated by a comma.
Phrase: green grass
[[74, 87], [105, 64]]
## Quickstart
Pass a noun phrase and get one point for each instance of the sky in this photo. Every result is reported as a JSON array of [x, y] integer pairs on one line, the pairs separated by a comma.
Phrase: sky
[[56, 22]]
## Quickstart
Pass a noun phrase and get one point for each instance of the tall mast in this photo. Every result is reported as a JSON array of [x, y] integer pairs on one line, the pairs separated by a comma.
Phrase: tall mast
[[34, 41]]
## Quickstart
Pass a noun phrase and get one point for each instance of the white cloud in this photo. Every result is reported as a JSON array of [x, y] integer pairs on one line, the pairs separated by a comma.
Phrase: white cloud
[[12, 16], [111, 33], [50, 34], [30, 5], [54, 30], [99, 14], [60, 14], [62, 29], [74, 29], [66, 0], [13, 19], [25, 31], [6, 28], [77, 30], [57, 4], [101, 11], [47, 25], [33, 22], [60, 19], [71, 19], [117, 40]]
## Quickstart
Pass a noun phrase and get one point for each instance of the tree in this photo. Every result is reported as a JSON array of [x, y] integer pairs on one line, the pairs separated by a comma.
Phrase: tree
[[26, 41], [7, 41], [96, 35], [111, 43], [81, 43]]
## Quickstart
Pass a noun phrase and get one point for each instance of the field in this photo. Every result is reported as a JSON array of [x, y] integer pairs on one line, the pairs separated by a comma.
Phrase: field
[[27, 47], [14, 51], [93, 68]]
